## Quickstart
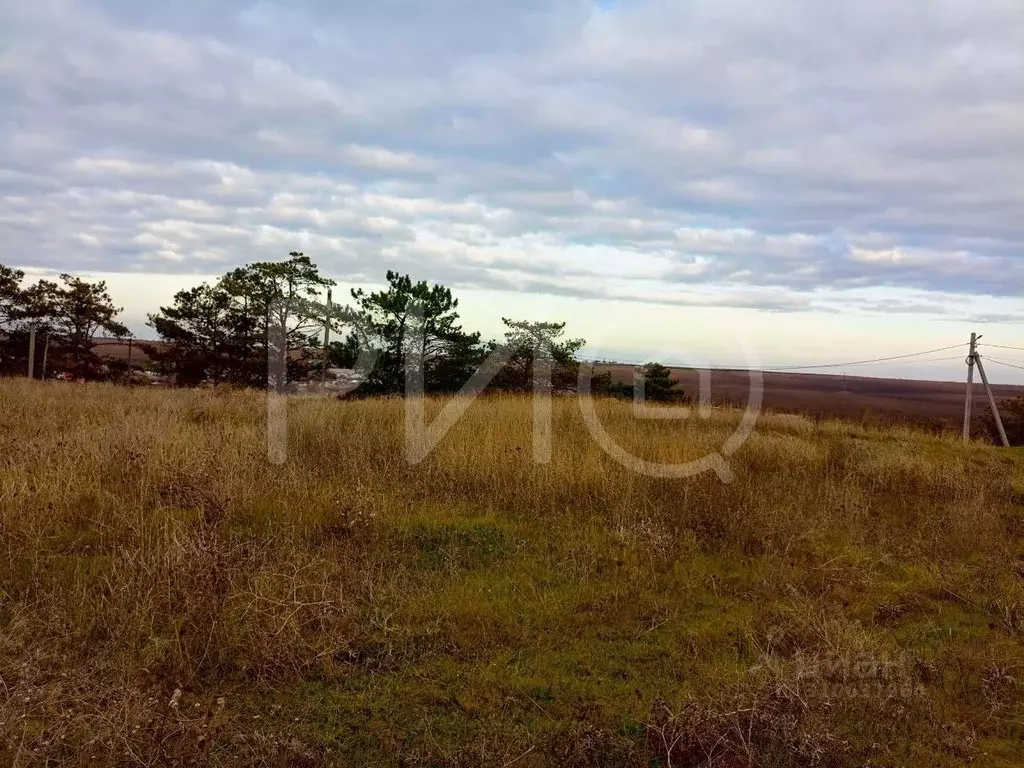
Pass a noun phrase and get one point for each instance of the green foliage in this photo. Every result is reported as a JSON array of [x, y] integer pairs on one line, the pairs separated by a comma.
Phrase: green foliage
[[345, 353], [1012, 413], [77, 309], [11, 306], [459, 544], [74, 312], [411, 323], [262, 322], [658, 384], [11, 296], [228, 332], [652, 383], [539, 348], [206, 336]]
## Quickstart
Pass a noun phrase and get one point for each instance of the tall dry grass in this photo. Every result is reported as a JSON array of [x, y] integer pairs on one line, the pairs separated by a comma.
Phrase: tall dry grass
[[167, 596]]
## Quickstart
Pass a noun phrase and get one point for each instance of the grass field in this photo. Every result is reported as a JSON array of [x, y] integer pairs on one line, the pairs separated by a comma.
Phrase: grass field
[[853, 598]]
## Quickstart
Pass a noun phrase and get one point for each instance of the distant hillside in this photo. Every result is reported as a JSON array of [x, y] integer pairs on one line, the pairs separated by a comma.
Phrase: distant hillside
[[830, 395]]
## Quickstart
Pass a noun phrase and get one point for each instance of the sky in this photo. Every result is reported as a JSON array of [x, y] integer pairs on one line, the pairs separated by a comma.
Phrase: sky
[[710, 182]]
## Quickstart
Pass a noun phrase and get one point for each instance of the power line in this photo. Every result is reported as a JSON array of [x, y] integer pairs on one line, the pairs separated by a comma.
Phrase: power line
[[1000, 346], [937, 359], [864, 362], [1008, 365], [1012, 360], [836, 365]]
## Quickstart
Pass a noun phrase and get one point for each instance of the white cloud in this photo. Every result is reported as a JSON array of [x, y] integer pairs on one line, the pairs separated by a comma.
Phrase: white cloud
[[736, 148]]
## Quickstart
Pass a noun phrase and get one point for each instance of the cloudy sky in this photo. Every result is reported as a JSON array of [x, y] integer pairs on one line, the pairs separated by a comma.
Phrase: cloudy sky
[[822, 181]]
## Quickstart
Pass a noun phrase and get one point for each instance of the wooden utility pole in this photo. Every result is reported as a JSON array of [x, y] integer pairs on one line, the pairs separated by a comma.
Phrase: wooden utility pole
[[31, 352], [992, 401], [327, 344], [46, 352], [970, 386]]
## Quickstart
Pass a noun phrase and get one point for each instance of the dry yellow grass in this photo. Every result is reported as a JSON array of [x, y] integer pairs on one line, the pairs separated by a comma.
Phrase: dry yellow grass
[[168, 597]]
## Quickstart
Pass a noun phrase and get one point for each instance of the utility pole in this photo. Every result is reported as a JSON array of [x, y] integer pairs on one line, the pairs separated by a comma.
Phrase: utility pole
[[327, 344], [992, 402], [31, 352], [970, 386], [46, 352]]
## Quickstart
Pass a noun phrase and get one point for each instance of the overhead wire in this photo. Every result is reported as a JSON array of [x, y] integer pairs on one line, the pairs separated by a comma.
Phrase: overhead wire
[[938, 359], [821, 366], [863, 362], [1003, 362], [999, 346]]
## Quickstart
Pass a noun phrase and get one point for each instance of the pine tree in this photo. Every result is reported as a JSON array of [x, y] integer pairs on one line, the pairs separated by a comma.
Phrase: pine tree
[[408, 323]]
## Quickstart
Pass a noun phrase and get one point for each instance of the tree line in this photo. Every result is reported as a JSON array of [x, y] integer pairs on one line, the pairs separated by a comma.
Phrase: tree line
[[67, 314], [231, 332], [272, 315]]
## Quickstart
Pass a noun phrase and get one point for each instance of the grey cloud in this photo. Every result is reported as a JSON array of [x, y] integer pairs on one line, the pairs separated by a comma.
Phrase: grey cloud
[[525, 145], [895, 306], [991, 317]]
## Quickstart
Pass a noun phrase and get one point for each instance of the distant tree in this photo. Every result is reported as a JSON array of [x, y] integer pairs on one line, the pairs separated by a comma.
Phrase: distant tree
[[654, 379], [538, 344], [601, 383], [227, 332], [462, 356], [345, 353], [67, 314], [13, 349], [203, 334], [659, 384], [77, 310], [281, 304], [11, 295], [410, 321]]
